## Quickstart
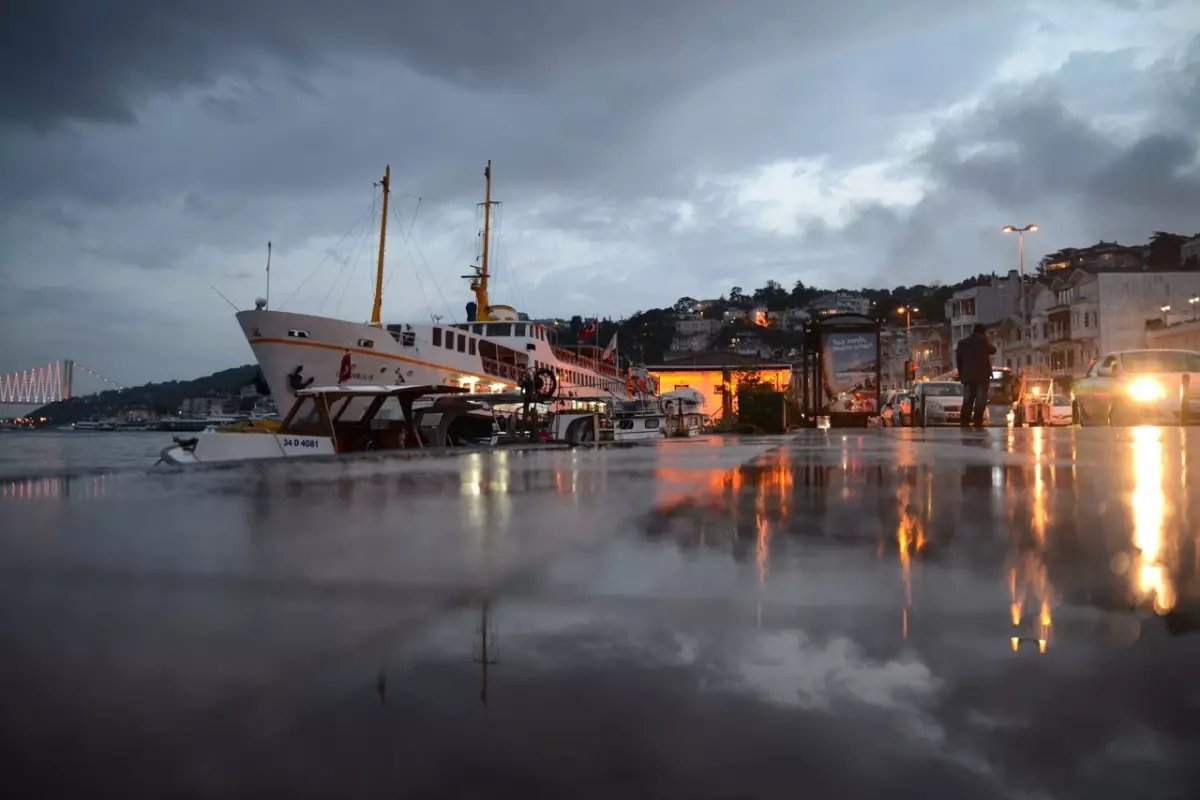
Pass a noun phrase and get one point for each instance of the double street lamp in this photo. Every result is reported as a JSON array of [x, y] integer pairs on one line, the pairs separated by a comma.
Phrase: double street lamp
[[1020, 232]]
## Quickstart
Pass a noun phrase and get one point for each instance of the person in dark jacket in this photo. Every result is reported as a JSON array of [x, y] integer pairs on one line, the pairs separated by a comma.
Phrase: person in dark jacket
[[974, 360]]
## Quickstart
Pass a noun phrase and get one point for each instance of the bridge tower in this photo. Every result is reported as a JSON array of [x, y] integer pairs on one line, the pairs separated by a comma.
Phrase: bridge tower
[[68, 376]]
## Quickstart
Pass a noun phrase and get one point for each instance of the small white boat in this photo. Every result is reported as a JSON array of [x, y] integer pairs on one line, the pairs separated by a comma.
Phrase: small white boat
[[333, 420]]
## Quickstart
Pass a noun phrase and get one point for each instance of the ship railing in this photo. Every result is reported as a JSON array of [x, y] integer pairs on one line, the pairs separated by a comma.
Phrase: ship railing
[[501, 369]]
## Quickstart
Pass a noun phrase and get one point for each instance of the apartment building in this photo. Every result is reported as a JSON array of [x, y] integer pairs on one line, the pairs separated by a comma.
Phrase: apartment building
[[838, 303], [1099, 257], [1081, 316], [694, 334], [987, 303]]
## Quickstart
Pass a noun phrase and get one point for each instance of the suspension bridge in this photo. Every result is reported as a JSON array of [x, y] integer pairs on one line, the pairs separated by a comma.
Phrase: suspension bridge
[[49, 383]]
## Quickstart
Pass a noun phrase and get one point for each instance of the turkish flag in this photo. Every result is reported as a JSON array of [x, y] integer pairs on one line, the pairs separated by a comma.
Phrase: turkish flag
[[344, 371], [587, 330]]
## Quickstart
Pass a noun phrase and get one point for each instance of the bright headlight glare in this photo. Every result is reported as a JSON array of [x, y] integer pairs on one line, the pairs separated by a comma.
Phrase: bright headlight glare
[[1145, 389]]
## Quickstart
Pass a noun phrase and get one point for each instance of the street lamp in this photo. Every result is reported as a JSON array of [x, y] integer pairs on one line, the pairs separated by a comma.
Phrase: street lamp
[[1192, 301], [907, 311], [1020, 232]]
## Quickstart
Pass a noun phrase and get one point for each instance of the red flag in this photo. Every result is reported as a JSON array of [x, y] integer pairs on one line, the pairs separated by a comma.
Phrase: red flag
[[344, 372], [587, 330]]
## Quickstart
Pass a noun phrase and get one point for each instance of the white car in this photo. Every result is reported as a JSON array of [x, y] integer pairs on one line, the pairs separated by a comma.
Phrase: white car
[[938, 403], [1060, 410], [1133, 387]]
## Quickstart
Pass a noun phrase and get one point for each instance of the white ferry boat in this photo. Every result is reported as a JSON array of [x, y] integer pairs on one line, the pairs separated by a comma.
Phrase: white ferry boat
[[491, 352]]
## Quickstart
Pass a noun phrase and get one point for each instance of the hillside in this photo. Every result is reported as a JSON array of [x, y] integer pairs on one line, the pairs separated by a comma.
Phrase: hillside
[[163, 398]]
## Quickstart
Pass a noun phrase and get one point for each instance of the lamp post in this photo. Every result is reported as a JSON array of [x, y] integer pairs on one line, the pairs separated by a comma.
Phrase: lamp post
[[1193, 301], [1020, 232], [907, 311]]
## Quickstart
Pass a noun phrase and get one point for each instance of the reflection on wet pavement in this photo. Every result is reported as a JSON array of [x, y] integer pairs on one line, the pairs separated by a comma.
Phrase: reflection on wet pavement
[[983, 614]]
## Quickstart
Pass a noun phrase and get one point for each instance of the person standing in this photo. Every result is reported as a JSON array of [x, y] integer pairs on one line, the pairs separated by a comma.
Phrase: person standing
[[974, 359]]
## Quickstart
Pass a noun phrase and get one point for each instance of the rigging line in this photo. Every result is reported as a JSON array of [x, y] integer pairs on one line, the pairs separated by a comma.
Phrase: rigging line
[[404, 237], [357, 244], [330, 252], [433, 278], [350, 277], [511, 271], [417, 275]]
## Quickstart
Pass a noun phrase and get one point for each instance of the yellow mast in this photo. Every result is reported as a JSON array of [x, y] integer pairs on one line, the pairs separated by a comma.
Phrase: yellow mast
[[386, 184], [479, 281]]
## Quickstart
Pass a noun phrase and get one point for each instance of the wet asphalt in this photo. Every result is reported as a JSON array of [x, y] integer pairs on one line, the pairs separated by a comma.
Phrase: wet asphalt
[[1003, 613]]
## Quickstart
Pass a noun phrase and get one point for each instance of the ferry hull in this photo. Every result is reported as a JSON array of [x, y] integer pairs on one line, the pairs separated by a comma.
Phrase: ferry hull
[[290, 362]]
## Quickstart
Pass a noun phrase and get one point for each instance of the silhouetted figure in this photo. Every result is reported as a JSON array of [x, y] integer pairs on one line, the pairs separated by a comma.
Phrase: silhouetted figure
[[974, 359]]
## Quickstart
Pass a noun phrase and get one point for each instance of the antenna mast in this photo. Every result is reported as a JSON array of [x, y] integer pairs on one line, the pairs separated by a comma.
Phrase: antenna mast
[[479, 280], [378, 307], [268, 298]]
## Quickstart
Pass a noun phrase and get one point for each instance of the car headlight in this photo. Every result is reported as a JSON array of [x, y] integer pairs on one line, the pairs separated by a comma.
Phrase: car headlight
[[1146, 389]]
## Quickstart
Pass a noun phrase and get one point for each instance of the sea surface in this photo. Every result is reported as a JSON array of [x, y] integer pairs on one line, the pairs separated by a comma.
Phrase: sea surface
[[55, 452]]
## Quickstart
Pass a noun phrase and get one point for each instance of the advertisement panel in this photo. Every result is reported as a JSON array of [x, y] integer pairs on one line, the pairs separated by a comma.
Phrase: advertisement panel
[[850, 370]]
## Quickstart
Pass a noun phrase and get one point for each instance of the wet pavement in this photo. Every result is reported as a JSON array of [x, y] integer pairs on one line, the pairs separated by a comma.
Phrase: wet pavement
[[841, 614]]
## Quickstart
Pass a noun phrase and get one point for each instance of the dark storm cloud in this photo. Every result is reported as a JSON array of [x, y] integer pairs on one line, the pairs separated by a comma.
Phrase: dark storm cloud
[[79, 59], [1042, 153]]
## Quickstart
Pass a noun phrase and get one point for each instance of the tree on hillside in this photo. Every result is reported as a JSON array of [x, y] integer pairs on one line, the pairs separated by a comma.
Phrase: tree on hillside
[[802, 295], [739, 299], [685, 305], [773, 296], [1165, 251]]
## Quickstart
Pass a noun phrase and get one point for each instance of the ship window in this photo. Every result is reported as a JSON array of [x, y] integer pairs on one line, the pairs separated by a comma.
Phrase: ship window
[[449, 340], [408, 339], [471, 347], [295, 334], [366, 343], [625, 424], [501, 329], [651, 424], [437, 337], [518, 330], [462, 343]]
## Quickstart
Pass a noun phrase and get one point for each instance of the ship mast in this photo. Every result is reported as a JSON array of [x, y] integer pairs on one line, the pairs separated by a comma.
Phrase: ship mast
[[479, 281], [378, 307]]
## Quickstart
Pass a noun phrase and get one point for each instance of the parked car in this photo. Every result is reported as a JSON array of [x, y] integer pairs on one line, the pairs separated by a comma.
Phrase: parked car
[[1132, 387], [938, 403], [899, 406], [1058, 411]]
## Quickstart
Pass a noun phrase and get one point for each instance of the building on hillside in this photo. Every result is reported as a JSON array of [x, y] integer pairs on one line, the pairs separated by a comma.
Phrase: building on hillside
[[755, 316], [831, 303], [748, 344], [694, 334], [791, 319], [986, 303], [1084, 315], [1099, 257], [717, 375]]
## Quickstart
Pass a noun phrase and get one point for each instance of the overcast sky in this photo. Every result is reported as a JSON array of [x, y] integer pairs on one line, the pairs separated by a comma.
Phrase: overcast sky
[[643, 150]]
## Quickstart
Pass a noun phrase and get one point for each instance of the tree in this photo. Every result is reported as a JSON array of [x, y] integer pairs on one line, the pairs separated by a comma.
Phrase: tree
[[738, 298], [685, 305], [773, 296], [1165, 251]]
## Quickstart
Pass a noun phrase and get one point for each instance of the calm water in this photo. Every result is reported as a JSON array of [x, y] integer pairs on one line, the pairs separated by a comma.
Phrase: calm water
[[23, 454]]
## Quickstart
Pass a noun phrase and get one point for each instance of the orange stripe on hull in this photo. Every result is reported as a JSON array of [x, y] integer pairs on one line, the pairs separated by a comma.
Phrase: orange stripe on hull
[[367, 352]]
